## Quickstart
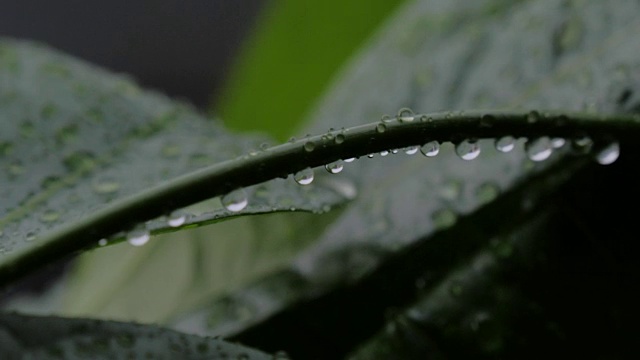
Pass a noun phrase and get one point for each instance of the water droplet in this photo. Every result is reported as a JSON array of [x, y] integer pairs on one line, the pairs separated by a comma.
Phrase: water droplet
[[582, 145], [380, 128], [405, 115], [411, 150], [557, 143], [304, 177], [538, 149], [533, 117], [468, 149], [138, 237], [106, 185], [609, 154], [386, 118], [292, 139], [264, 146], [235, 200], [177, 218], [309, 146], [505, 144], [430, 149], [103, 242], [334, 167], [349, 160], [31, 235], [394, 151], [370, 156], [384, 153]]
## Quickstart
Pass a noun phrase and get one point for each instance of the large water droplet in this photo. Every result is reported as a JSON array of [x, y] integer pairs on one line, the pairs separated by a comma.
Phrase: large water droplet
[[304, 177], [411, 150], [138, 237], [309, 146], [505, 144], [405, 115], [609, 154], [177, 218], [430, 149], [235, 200], [468, 149], [384, 153], [334, 167], [348, 160], [538, 149]]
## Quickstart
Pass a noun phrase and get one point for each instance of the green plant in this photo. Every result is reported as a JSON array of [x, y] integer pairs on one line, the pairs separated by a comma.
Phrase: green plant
[[409, 257]]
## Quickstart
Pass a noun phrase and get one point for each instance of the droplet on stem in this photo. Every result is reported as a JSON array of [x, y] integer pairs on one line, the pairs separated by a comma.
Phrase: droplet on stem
[[468, 149], [538, 149], [138, 237], [609, 154], [304, 177], [505, 144], [235, 201], [334, 167], [430, 149]]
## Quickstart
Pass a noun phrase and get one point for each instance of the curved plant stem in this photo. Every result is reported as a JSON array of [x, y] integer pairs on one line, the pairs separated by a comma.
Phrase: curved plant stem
[[282, 160]]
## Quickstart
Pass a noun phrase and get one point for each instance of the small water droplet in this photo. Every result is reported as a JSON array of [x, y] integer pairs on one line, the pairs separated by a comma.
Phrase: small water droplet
[[309, 146], [405, 115], [177, 218], [430, 149], [533, 117], [349, 160], [370, 156], [557, 143], [235, 201], [609, 154], [264, 146], [394, 151], [384, 153], [468, 149], [304, 177], [31, 235], [582, 145], [386, 118], [103, 242], [538, 149], [334, 167], [380, 128], [505, 144], [292, 139], [138, 237], [339, 139], [106, 185], [411, 150]]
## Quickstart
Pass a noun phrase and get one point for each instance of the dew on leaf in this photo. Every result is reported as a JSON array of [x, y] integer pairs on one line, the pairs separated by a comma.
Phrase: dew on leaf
[[384, 153], [411, 150], [582, 145], [339, 139], [386, 118], [103, 242], [138, 237], [334, 167], [557, 143], [405, 115], [177, 218], [430, 149], [505, 144], [609, 154], [380, 128], [468, 149], [538, 149], [309, 146], [304, 177], [235, 201], [348, 160], [370, 156]]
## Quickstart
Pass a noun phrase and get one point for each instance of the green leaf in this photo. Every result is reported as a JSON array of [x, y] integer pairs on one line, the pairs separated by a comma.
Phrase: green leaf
[[30, 337], [291, 56], [82, 150], [439, 55]]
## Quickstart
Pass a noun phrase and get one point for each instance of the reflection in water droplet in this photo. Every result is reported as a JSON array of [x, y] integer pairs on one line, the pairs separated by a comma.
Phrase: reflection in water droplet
[[304, 177], [349, 160], [384, 153], [505, 144], [235, 201], [538, 149], [334, 167], [468, 149], [380, 128], [557, 143], [430, 149], [177, 218], [405, 115], [138, 237], [411, 150], [309, 146], [609, 154], [370, 156]]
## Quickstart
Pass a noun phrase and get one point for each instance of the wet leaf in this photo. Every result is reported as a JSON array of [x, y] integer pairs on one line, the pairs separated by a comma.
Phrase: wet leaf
[[30, 337], [441, 55]]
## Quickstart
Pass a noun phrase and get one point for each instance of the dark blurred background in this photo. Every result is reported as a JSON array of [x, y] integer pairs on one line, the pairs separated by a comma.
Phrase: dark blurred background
[[183, 48]]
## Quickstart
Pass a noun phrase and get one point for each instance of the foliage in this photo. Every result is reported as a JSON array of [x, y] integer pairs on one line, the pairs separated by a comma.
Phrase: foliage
[[502, 256]]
